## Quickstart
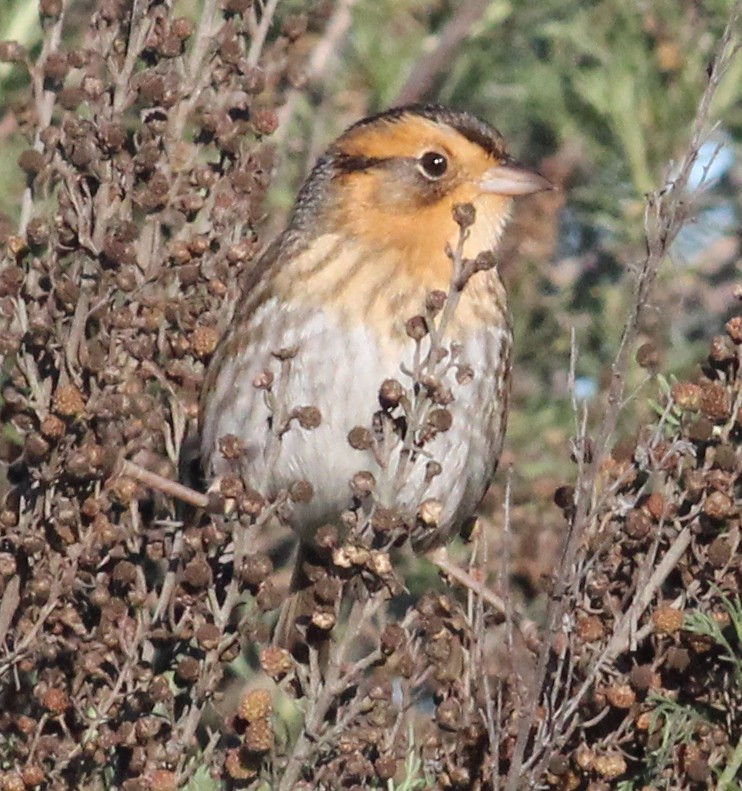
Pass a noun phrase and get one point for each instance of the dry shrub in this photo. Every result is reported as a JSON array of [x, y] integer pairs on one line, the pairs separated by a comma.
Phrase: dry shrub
[[119, 620]]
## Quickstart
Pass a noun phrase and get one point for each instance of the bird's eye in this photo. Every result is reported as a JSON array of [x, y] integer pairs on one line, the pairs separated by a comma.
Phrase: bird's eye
[[432, 164]]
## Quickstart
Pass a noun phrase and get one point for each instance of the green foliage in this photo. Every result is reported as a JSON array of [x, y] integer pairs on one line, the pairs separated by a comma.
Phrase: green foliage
[[728, 639]]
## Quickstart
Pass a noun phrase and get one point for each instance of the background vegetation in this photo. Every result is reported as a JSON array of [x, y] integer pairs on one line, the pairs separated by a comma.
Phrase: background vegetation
[[149, 151]]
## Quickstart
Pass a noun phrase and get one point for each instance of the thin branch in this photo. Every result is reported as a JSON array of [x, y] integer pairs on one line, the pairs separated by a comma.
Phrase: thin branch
[[261, 33], [165, 485], [431, 64]]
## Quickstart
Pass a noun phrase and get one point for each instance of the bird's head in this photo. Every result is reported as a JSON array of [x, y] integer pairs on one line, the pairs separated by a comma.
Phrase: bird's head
[[391, 181]]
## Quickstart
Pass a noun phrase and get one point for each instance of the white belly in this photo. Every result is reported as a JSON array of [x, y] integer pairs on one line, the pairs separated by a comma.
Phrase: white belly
[[339, 370]]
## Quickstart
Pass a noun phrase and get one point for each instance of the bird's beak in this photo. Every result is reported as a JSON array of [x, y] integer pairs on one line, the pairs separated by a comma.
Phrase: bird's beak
[[513, 179]]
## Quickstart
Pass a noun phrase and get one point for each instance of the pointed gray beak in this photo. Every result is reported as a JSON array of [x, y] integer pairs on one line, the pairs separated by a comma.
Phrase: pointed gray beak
[[513, 179]]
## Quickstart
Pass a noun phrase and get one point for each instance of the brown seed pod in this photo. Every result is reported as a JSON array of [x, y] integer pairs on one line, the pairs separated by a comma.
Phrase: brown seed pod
[[203, 341], [276, 662], [162, 780], [259, 737], [255, 704], [360, 438], [68, 401], [610, 765], [715, 402], [55, 701], [208, 636], [734, 329], [667, 620], [590, 628], [687, 396], [620, 696]]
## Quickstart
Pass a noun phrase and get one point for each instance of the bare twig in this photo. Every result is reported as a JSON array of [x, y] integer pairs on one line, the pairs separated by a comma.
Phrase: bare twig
[[165, 485], [261, 33], [432, 63]]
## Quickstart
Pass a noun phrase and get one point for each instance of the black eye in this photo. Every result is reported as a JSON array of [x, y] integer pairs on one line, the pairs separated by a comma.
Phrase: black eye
[[433, 164]]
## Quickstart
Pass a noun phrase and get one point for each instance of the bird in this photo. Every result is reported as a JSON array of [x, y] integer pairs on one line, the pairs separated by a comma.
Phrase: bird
[[325, 312]]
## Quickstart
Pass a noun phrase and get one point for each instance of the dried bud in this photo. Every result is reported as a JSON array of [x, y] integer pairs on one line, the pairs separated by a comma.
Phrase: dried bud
[[124, 573], [55, 701], [656, 506], [448, 715], [12, 52], [435, 301], [256, 704], [384, 520], [197, 573], [667, 620], [734, 329], [715, 402], [701, 430], [722, 349], [187, 670], [231, 486], [326, 537], [35, 448], [162, 780], [182, 27], [71, 98], [720, 552], [264, 122], [416, 328], [259, 737], [590, 628], [231, 447], [648, 356], [718, 505], [33, 775], [430, 512], [360, 438], [31, 161], [638, 525], [464, 215], [256, 569], [385, 768], [51, 9], [687, 396], [276, 662], [620, 696], [392, 639], [55, 69], [301, 492], [68, 401], [440, 420], [642, 677], [485, 261], [391, 393], [309, 417], [362, 484], [610, 766], [208, 636], [203, 341]]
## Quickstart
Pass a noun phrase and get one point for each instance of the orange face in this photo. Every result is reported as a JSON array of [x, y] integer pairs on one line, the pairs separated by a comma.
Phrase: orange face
[[382, 204]]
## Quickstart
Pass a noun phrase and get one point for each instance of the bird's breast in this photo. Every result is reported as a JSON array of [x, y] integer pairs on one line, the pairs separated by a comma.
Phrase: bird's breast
[[341, 358]]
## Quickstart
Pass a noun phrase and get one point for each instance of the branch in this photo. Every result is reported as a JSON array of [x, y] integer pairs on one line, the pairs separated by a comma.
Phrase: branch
[[429, 66]]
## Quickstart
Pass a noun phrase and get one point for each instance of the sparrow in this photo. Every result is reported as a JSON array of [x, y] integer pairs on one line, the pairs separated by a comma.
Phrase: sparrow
[[325, 318]]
